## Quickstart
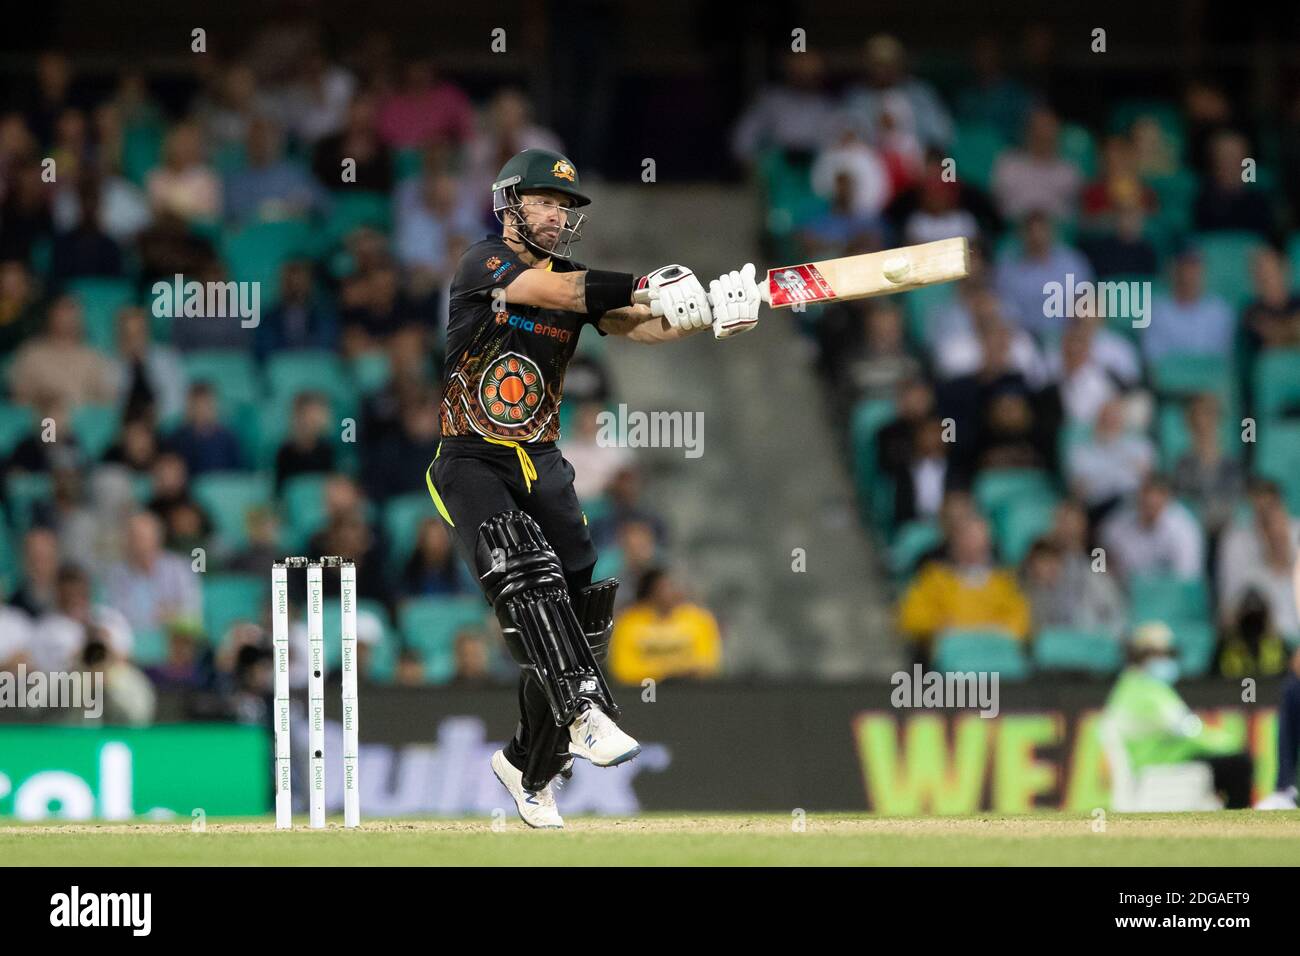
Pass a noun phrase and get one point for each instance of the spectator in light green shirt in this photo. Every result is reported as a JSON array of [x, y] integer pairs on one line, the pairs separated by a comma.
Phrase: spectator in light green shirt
[[1157, 727]]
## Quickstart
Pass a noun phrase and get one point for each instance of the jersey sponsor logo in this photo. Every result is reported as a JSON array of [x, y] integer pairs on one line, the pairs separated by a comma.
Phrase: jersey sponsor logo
[[533, 326], [492, 262], [797, 284], [563, 170], [511, 390], [500, 269]]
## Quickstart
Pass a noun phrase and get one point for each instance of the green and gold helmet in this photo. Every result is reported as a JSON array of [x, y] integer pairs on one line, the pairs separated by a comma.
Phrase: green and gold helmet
[[533, 170]]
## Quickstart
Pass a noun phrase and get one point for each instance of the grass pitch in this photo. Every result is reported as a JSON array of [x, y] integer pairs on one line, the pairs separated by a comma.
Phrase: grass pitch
[[1242, 838]]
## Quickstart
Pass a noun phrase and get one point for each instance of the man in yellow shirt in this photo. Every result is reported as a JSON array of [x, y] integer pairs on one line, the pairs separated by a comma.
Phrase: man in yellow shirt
[[969, 592], [662, 635]]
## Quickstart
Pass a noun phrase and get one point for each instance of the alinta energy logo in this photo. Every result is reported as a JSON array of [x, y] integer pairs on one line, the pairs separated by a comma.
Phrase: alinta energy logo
[[55, 690], [76, 908]]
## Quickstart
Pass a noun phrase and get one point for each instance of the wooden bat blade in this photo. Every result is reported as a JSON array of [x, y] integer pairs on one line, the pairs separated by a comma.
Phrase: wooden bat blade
[[858, 277]]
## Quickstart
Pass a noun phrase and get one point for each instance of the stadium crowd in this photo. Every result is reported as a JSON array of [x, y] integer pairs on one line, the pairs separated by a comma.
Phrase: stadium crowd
[[1099, 427], [155, 460]]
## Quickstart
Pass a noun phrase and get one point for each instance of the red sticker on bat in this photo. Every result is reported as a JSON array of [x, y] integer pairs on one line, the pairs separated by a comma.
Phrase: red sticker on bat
[[794, 284]]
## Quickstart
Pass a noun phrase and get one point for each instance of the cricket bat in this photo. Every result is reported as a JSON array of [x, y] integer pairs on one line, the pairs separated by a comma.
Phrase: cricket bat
[[859, 277]]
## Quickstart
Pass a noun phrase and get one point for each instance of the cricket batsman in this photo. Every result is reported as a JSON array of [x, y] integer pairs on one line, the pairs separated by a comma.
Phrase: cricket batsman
[[517, 306]]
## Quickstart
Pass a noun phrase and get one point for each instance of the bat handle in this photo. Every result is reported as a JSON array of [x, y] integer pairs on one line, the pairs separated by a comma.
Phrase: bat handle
[[642, 296]]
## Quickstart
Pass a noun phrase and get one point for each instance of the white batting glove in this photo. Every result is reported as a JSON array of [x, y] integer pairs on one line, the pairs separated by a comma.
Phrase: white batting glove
[[736, 298], [676, 294]]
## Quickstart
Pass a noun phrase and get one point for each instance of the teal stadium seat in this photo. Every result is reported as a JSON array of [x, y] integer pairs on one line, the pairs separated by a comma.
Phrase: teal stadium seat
[[228, 497], [975, 150], [911, 542], [96, 428], [989, 651], [16, 423], [1062, 649], [231, 598], [257, 252], [1277, 383], [24, 491], [998, 488], [1228, 257], [101, 300], [355, 210], [232, 374], [303, 506], [1186, 375], [289, 374], [403, 515], [1169, 599], [1194, 641], [429, 625], [1021, 524], [1176, 440], [1077, 146], [1278, 457], [371, 371]]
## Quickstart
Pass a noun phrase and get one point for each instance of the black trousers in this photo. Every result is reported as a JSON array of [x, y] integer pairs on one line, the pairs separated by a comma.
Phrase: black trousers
[[1232, 778], [471, 480]]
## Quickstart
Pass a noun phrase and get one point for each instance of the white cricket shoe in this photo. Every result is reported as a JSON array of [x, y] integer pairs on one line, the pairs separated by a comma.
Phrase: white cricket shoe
[[536, 807], [595, 737], [1278, 800]]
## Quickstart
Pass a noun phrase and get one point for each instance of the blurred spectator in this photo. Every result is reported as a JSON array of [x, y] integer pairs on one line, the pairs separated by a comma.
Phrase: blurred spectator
[[958, 505], [1251, 550], [25, 215], [263, 547], [1083, 383], [1015, 434], [136, 448], [269, 187], [968, 593], [893, 101], [427, 108], [20, 306], [85, 250], [1036, 178], [403, 456], [1190, 321], [638, 553], [1155, 727], [59, 364], [433, 570], [184, 185], [1154, 535], [596, 458], [471, 658], [625, 505], [51, 446], [1210, 481], [1111, 463], [992, 96], [150, 586], [38, 591], [308, 449], [846, 226], [315, 104], [188, 665], [795, 115], [929, 473], [303, 318], [1059, 599], [171, 494], [1023, 277], [664, 636], [508, 127], [428, 213], [15, 638], [202, 440], [1070, 536], [1118, 186], [1226, 200], [352, 537], [940, 206], [225, 111], [410, 669], [61, 635], [913, 404], [370, 161], [150, 376], [977, 323], [1123, 249], [1207, 114], [1273, 317], [53, 93], [877, 360], [69, 515], [851, 176]]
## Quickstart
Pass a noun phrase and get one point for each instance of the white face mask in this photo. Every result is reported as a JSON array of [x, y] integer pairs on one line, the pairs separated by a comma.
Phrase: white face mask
[[1163, 669]]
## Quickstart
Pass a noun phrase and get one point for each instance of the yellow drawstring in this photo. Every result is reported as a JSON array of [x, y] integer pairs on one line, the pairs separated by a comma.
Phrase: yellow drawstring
[[525, 463]]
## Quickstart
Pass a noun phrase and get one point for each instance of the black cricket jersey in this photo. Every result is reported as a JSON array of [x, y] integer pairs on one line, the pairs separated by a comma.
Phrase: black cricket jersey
[[504, 373]]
